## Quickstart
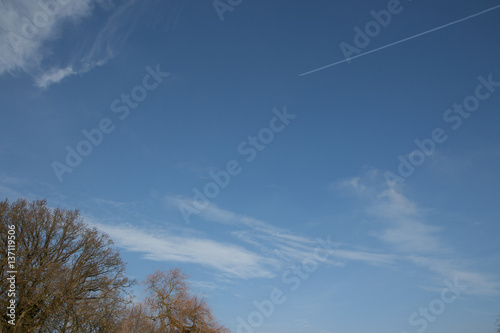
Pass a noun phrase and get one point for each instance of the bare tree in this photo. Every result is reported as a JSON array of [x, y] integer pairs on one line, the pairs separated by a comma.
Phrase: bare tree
[[172, 308], [136, 321], [69, 278]]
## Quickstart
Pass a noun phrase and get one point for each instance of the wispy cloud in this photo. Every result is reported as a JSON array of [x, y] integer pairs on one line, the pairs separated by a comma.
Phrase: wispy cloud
[[400, 221], [265, 237], [233, 260], [404, 228], [371, 258], [53, 76], [27, 29], [26, 26], [112, 37], [215, 214], [401, 224], [205, 285], [353, 183], [8, 193], [476, 283], [274, 242]]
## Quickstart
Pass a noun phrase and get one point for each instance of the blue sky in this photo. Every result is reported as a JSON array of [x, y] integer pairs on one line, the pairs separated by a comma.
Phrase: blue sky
[[362, 197]]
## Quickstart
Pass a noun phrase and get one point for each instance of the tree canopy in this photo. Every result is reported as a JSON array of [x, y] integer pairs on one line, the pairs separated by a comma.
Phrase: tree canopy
[[68, 277], [173, 307]]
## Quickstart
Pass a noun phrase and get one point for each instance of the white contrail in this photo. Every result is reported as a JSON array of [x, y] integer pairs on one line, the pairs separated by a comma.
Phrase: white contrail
[[403, 40]]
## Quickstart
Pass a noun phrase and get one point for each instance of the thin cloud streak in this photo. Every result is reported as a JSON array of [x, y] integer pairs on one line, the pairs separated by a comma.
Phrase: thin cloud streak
[[232, 260], [215, 214], [475, 283], [275, 242], [402, 40]]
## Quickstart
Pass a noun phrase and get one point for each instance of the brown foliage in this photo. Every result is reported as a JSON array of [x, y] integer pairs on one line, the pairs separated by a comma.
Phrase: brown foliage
[[170, 306], [69, 278], [135, 321]]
